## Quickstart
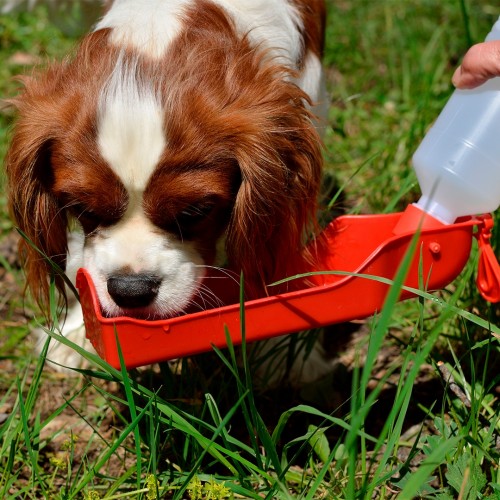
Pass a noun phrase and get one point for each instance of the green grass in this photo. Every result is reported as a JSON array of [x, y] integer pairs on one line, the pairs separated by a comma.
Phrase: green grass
[[201, 429]]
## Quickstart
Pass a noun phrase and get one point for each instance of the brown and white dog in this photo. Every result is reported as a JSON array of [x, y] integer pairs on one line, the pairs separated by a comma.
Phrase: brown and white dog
[[180, 135]]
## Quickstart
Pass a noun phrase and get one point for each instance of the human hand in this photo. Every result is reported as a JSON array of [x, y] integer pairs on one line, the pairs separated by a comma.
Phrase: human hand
[[480, 63]]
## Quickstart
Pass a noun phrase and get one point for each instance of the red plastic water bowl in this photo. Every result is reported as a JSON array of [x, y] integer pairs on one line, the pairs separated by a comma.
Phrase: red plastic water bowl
[[367, 245]]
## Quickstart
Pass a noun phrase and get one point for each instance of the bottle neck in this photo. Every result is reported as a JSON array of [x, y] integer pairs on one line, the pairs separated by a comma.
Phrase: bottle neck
[[414, 218], [436, 210]]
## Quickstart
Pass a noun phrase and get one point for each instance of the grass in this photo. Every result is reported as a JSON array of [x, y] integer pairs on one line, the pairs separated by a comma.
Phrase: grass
[[420, 418]]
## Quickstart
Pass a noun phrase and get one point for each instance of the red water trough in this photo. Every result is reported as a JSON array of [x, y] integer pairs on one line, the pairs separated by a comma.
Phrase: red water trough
[[368, 245]]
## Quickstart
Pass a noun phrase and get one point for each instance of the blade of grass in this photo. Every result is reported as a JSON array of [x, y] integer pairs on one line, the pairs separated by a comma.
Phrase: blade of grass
[[218, 431], [419, 477], [28, 441], [94, 470], [133, 410], [471, 317]]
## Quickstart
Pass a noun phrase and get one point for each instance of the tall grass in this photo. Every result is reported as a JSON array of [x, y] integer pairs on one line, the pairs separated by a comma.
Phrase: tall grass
[[201, 428]]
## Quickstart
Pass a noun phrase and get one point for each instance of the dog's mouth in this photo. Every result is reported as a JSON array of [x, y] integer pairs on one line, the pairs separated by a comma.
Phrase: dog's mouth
[[149, 296], [149, 313]]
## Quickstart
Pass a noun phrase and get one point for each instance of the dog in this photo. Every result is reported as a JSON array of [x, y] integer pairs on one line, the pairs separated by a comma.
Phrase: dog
[[180, 135]]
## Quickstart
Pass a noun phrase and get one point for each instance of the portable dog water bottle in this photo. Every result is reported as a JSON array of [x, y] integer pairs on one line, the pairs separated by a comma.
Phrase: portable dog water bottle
[[458, 162], [458, 167]]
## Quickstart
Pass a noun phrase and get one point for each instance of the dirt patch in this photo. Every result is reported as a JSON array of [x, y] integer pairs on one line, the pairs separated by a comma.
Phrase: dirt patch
[[13, 311]]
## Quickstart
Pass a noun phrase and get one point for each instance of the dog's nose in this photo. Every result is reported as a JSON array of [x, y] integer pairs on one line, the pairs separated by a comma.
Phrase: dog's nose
[[133, 290]]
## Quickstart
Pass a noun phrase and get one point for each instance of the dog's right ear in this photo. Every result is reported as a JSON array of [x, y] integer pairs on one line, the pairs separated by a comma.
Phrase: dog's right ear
[[34, 208]]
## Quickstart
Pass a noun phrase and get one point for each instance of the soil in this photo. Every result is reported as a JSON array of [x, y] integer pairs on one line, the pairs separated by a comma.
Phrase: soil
[[11, 290]]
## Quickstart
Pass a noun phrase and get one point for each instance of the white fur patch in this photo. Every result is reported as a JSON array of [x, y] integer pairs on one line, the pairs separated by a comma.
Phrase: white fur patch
[[150, 26], [130, 126], [131, 139], [272, 24], [147, 25]]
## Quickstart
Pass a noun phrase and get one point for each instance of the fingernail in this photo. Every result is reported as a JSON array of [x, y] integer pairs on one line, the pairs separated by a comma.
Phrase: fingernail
[[455, 79]]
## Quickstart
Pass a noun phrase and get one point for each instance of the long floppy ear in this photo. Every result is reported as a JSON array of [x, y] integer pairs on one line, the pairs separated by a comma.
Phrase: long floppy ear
[[32, 205], [275, 209]]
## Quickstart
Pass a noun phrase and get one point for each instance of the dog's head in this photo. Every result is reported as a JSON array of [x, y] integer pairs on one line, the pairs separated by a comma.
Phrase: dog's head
[[160, 160]]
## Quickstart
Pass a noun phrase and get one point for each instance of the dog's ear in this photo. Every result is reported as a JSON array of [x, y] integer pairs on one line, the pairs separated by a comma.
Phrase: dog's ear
[[33, 207], [275, 209]]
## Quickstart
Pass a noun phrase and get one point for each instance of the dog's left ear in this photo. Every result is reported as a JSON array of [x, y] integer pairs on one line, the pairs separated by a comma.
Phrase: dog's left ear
[[276, 205], [33, 207]]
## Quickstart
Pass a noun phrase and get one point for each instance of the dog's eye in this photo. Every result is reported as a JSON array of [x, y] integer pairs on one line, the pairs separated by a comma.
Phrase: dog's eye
[[81, 212], [195, 213], [89, 219]]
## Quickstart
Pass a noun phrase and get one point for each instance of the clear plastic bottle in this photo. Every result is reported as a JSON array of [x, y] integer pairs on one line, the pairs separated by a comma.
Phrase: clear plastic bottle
[[458, 162]]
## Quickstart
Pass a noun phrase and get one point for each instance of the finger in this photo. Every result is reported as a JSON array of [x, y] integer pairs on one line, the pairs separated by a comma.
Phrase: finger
[[480, 63]]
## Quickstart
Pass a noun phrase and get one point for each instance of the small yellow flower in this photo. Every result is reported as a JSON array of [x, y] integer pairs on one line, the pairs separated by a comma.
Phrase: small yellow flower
[[152, 486], [216, 491], [58, 462], [68, 444], [195, 489], [91, 495], [211, 490]]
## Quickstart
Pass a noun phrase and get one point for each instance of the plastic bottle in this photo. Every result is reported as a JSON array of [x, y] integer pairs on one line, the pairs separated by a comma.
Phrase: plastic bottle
[[458, 162]]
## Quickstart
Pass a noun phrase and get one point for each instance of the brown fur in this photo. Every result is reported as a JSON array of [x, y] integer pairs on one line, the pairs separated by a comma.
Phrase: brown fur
[[234, 119]]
